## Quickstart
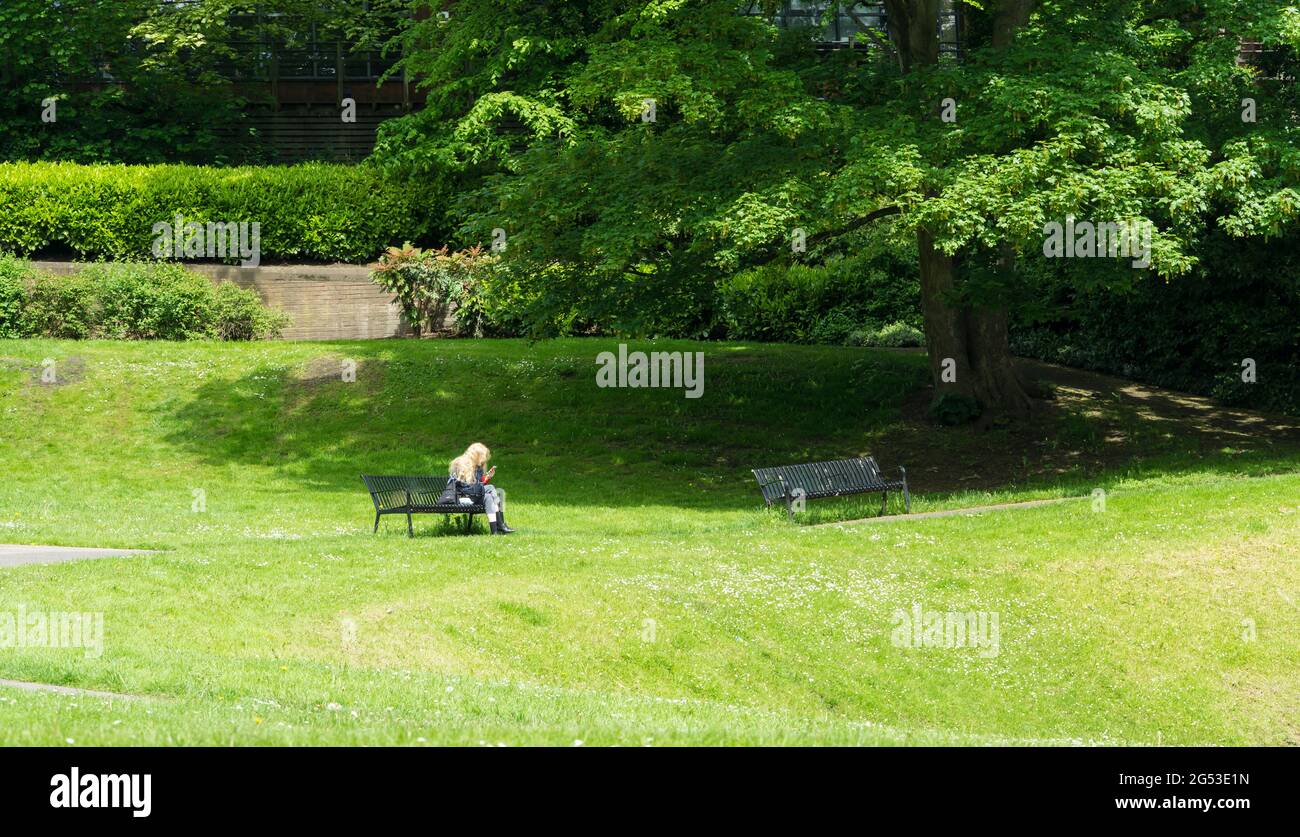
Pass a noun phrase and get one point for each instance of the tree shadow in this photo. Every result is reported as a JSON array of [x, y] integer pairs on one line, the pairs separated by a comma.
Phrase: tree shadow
[[555, 434], [1093, 430], [424, 526], [409, 407]]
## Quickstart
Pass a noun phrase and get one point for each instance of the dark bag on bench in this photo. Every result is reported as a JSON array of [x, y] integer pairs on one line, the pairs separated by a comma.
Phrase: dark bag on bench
[[448, 496]]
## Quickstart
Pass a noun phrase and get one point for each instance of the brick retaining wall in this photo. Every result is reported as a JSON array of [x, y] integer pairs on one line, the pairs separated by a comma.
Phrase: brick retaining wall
[[327, 302]]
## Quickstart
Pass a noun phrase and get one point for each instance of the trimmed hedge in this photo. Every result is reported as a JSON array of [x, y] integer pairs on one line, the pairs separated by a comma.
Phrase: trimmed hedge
[[314, 211]]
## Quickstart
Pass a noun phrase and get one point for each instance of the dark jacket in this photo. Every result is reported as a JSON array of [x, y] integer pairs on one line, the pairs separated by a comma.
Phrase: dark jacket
[[473, 490]]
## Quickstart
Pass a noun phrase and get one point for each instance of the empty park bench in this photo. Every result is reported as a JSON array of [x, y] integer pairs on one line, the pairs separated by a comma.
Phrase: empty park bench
[[415, 495], [791, 484]]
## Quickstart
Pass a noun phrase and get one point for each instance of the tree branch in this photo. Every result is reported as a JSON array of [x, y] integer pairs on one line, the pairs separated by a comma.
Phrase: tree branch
[[870, 31], [855, 224], [826, 235]]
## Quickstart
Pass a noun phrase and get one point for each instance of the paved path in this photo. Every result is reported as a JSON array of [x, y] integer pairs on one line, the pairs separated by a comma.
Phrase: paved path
[[59, 690], [1028, 504], [14, 555]]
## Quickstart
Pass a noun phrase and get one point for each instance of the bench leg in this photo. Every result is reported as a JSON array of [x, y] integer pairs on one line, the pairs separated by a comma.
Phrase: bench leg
[[410, 530], [884, 502], [376, 529], [469, 523], [789, 499]]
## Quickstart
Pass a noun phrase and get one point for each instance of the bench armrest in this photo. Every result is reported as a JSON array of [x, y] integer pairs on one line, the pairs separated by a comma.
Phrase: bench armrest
[[785, 486]]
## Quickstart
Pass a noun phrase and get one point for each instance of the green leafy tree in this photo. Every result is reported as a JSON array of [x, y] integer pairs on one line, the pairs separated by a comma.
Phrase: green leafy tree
[[150, 80], [1096, 109], [111, 101]]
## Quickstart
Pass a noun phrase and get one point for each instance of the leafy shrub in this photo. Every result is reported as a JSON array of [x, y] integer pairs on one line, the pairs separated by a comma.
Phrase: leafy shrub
[[312, 211], [238, 314], [163, 104], [13, 294], [158, 301], [432, 285], [816, 304], [833, 328], [893, 336], [1190, 334], [137, 301], [60, 306], [503, 299]]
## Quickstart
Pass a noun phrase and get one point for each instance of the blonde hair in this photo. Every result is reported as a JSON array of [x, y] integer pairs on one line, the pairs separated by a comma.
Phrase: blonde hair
[[463, 466]]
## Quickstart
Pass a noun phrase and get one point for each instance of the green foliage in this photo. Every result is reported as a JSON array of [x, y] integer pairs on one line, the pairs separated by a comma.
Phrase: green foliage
[[13, 295], [834, 328], [1101, 110], [238, 314], [896, 335], [116, 101], [817, 304], [470, 66], [312, 211], [432, 285], [510, 297], [60, 307], [152, 301], [145, 81], [129, 301], [1191, 334]]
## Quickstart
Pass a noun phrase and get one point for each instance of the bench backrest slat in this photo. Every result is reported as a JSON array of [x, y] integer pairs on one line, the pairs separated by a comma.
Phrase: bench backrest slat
[[819, 478], [841, 475], [770, 484], [390, 492]]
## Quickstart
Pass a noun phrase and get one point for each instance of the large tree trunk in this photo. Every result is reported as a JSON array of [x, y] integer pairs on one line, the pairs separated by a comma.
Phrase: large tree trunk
[[913, 27], [968, 348], [1009, 18], [969, 355], [997, 384], [945, 327]]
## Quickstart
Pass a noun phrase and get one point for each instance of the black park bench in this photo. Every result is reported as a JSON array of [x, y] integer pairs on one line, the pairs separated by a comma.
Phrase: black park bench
[[415, 495], [839, 478]]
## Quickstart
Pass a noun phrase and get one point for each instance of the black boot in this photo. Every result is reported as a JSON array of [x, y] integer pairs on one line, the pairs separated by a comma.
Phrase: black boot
[[502, 528], [492, 527]]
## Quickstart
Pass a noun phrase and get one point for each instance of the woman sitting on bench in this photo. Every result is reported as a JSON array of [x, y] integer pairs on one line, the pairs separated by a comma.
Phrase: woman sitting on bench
[[472, 482]]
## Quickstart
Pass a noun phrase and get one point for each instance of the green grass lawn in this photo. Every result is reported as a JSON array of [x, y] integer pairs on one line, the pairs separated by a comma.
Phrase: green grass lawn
[[648, 597]]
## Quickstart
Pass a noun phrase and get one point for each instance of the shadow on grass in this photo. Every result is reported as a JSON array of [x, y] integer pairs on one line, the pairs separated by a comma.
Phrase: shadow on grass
[[555, 434], [430, 526], [558, 437]]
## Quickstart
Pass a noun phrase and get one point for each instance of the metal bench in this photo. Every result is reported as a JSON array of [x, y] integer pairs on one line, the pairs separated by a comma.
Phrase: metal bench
[[839, 478], [415, 495]]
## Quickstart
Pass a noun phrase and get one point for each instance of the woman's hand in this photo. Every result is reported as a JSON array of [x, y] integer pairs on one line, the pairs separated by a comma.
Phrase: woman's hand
[[491, 473]]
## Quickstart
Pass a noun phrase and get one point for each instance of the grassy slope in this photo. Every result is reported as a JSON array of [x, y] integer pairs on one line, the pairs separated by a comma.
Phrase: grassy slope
[[634, 506]]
